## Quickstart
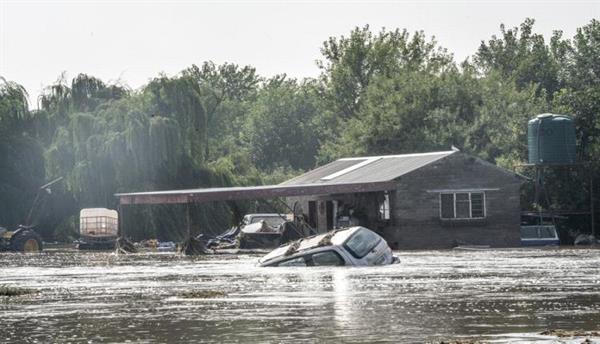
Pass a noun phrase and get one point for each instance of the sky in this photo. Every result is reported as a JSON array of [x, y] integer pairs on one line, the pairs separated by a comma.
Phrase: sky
[[132, 41]]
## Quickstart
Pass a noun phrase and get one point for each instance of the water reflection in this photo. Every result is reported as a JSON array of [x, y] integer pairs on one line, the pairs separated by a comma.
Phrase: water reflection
[[498, 295], [342, 296]]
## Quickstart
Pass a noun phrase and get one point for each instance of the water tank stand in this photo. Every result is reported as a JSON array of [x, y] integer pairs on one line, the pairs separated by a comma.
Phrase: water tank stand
[[541, 194]]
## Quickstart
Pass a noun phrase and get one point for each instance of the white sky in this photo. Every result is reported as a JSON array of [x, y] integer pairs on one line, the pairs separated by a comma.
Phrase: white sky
[[135, 40]]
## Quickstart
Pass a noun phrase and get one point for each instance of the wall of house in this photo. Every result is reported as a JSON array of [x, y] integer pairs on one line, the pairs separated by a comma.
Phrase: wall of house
[[416, 206]]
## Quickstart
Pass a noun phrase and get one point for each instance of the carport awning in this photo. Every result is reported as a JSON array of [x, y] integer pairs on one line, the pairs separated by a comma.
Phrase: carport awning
[[249, 192]]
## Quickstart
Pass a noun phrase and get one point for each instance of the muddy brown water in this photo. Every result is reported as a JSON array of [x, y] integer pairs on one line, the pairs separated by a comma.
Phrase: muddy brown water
[[492, 296]]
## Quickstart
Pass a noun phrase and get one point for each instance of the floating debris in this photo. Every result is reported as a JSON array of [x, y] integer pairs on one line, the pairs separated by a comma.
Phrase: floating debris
[[326, 240], [293, 248], [567, 333], [15, 291], [202, 294], [123, 245], [457, 341], [194, 246]]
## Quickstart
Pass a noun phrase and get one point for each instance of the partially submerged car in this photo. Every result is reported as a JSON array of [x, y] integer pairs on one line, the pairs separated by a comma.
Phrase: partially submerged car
[[261, 230], [538, 229], [354, 246], [543, 235]]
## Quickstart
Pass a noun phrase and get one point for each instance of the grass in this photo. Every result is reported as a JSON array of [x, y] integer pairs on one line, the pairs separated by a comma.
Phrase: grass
[[15, 291]]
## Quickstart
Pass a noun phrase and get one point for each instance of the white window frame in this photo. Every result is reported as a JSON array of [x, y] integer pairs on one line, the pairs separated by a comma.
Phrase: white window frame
[[384, 207], [453, 193]]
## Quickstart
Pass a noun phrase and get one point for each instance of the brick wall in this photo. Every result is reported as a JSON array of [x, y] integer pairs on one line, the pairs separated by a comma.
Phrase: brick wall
[[416, 206]]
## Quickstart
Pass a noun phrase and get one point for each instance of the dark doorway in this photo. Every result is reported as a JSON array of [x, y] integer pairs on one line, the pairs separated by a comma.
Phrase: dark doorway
[[312, 214], [329, 215]]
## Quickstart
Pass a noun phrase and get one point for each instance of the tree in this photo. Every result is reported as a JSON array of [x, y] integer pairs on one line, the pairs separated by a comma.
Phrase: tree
[[21, 162], [383, 88], [219, 86], [279, 130], [351, 63], [581, 96], [522, 55]]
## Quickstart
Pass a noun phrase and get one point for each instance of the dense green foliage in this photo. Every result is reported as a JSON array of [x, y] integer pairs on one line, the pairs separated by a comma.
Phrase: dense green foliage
[[220, 125]]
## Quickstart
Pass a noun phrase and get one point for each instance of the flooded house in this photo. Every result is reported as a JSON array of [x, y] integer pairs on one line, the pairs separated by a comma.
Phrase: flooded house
[[417, 201], [414, 201]]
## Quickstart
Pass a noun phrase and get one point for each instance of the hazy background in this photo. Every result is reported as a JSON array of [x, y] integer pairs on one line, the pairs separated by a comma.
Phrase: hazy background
[[133, 41]]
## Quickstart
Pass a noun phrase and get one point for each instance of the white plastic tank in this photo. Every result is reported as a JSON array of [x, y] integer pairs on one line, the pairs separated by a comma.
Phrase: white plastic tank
[[95, 222]]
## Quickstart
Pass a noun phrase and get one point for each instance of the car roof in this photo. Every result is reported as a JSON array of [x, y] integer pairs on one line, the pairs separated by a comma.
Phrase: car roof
[[337, 237]]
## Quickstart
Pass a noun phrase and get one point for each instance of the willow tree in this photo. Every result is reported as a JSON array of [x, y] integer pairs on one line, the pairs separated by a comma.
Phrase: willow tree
[[179, 98], [223, 90], [22, 164]]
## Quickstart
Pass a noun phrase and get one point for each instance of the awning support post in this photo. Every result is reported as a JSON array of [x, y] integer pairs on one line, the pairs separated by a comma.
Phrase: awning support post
[[120, 218], [592, 205], [188, 221]]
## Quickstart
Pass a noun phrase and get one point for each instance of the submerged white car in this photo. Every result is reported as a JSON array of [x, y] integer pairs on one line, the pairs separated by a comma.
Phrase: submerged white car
[[354, 246]]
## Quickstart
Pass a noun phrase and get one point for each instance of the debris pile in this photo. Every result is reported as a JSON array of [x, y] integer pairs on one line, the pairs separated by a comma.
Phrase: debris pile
[[123, 245], [566, 333], [194, 246]]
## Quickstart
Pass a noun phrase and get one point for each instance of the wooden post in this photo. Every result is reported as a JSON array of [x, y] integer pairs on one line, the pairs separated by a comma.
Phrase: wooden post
[[189, 222], [538, 191], [120, 219]]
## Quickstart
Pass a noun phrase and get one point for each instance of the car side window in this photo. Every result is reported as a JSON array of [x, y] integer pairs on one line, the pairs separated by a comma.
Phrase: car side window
[[327, 258], [293, 262]]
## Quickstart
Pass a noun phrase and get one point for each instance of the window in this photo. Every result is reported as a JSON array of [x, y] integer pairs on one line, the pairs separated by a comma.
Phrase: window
[[462, 205], [384, 208], [327, 258], [293, 262], [271, 221]]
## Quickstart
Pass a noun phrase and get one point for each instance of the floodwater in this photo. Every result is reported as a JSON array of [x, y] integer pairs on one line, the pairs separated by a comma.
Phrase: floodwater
[[489, 296]]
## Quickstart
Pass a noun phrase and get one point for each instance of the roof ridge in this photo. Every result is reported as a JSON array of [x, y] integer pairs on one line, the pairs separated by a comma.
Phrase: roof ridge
[[397, 155]]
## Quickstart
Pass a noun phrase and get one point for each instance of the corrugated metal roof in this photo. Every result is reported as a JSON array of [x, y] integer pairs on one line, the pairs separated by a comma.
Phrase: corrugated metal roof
[[367, 169], [349, 175], [249, 192]]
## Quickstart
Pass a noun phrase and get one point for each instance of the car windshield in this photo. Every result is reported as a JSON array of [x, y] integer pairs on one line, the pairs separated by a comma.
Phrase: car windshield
[[547, 232], [271, 221], [361, 243], [529, 232]]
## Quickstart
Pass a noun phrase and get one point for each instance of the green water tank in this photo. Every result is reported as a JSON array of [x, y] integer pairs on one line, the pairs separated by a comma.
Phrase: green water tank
[[551, 139]]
